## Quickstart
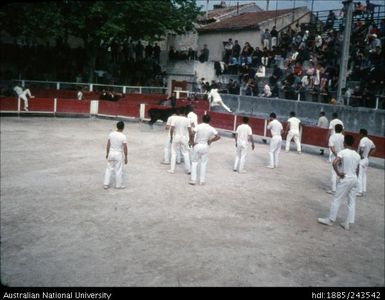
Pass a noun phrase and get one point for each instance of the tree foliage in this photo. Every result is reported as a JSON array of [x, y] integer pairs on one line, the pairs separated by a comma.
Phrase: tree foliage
[[95, 20]]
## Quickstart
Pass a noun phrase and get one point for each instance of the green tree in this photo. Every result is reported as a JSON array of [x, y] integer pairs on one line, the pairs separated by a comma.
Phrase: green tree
[[93, 21]]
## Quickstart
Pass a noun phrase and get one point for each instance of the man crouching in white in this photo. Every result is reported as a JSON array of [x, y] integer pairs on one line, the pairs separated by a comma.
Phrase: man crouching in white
[[215, 99], [116, 147]]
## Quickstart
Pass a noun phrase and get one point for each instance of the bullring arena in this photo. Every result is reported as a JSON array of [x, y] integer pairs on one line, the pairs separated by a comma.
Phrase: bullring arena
[[59, 227]]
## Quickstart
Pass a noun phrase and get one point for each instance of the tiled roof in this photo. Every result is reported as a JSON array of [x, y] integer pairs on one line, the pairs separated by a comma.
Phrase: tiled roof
[[222, 11], [249, 20]]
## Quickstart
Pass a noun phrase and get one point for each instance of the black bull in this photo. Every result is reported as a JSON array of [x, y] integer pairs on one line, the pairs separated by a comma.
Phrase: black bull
[[163, 113]]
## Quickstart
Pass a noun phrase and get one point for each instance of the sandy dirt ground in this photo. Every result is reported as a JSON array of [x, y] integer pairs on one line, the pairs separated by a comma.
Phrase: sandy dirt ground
[[59, 227]]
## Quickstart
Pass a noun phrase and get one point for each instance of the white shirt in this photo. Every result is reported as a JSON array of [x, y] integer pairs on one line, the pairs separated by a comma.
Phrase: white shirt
[[275, 127], [181, 125], [18, 90], [204, 132], [80, 95], [323, 122], [243, 133], [193, 118], [337, 141], [333, 124], [267, 90], [350, 161], [365, 146], [216, 97], [168, 123], [117, 139], [294, 124], [261, 72]]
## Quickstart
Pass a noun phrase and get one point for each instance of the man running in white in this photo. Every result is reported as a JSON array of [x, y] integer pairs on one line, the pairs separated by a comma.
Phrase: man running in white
[[365, 149], [292, 131], [179, 139], [204, 136], [276, 141], [215, 99], [116, 147], [347, 185], [23, 95], [336, 144], [243, 136]]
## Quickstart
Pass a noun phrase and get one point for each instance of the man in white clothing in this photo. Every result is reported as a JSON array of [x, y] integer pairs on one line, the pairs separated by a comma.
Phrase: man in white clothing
[[333, 123], [215, 99], [192, 116], [243, 136], [266, 91], [323, 122], [336, 144], [23, 95], [179, 139], [346, 165], [116, 148], [292, 131], [365, 149], [167, 144], [276, 141], [202, 137]]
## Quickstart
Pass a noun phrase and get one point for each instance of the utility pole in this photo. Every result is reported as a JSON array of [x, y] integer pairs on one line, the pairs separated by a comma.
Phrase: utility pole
[[345, 49]]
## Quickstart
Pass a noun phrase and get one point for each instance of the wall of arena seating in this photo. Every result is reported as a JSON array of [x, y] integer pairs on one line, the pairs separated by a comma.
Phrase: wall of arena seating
[[130, 107]]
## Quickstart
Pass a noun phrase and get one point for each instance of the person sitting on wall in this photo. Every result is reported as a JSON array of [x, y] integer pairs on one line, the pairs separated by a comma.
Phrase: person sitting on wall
[[110, 96]]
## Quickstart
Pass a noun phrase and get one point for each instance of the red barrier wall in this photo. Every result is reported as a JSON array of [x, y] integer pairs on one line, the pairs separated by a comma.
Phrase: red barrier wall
[[129, 109], [73, 106], [221, 120], [108, 108], [8, 104], [130, 106], [40, 104], [315, 136]]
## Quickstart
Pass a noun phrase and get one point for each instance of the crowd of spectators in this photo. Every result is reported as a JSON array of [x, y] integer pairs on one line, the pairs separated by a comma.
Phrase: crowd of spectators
[[304, 62]]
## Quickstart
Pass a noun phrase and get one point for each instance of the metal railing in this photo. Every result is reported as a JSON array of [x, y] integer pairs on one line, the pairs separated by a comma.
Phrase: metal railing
[[125, 89]]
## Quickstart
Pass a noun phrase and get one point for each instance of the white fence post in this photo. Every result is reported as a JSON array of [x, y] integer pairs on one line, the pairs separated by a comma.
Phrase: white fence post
[[58, 85], [94, 107], [142, 111], [54, 105]]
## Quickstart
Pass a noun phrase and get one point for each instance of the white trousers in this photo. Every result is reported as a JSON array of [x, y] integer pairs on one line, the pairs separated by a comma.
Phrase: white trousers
[[273, 41], [265, 60], [200, 156], [167, 152], [180, 144], [333, 179], [346, 187], [221, 103], [275, 149], [364, 163], [24, 95], [289, 137], [114, 165], [240, 157], [266, 43]]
